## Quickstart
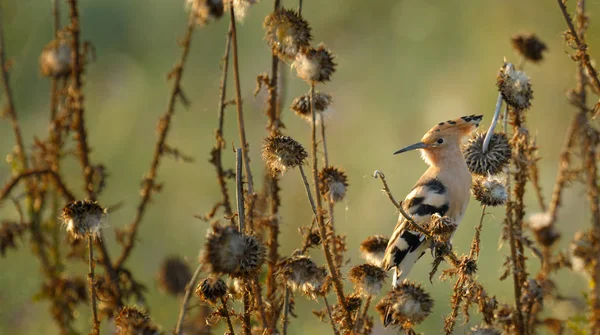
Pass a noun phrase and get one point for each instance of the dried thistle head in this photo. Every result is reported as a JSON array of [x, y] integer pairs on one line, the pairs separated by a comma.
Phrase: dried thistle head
[[544, 231], [282, 152], [227, 251], [490, 191], [467, 266], [367, 279], [484, 330], [205, 10], [333, 183], [134, 321], [300, 272], [83, 218], [583, 254], [301, 106], [406, 305], [314, 65], [173, 275], [529, 46], [211, 289], [514, 86], [441, 228], [240, 8], [491, 162], [373, 249], [55, 60], [287, 33]]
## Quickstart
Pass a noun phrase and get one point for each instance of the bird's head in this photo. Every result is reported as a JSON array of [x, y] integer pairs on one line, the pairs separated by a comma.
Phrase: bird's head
[[444, 140]]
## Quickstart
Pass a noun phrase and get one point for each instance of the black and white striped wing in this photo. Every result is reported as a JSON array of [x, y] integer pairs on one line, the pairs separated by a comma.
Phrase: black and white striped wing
[[405, 247]]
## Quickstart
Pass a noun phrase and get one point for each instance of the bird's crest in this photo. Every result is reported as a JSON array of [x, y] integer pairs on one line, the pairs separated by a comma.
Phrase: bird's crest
[[462, 125]]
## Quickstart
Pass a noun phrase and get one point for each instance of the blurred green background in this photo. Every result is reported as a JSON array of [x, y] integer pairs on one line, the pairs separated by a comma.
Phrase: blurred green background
[[403, 66]]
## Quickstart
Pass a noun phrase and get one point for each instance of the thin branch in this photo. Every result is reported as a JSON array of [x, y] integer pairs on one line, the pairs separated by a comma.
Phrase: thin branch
[[324, 139], [490, 132], [186, 299], [333, 327], [239, 191], [226, 311], [163, 126], [96, 328], [8, 187], [286, 308]]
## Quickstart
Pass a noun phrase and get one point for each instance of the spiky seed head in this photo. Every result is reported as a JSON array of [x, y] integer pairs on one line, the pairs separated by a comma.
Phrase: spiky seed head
[[301, 106], [173, 275], [544, 231], [83, 218], [373, 248], [484, 330], [134, 321], [441, 228], [514, 86], [367, 279], [314, 65], [55, 60], [582, 251], [490, 191], [227, 251], [467, 266], [529, 46], [300, 272], [205, 10], [491, 162], [407, 304], [281, 153], [287, 33], [333, 183], [211, 289]]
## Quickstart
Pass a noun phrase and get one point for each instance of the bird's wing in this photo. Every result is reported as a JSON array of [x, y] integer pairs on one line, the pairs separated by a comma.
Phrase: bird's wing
[[429, 196]]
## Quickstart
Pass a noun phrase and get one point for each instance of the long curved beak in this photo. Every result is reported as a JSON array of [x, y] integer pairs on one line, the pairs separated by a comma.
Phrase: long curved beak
[[415, 146]]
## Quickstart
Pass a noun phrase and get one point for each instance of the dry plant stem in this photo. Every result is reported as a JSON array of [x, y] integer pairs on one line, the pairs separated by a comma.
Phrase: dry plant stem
[[259, 302], [220, 142], [163, 126], [490, 132], [96, 329], [226, 311], [477, 237], [300, 7], [189, 289], [238, 103], [324, 139], [515, 271], [246, 321], [239, 191], [386, 189], [361, 320], [286, 307], [5, 191], [335, 331]]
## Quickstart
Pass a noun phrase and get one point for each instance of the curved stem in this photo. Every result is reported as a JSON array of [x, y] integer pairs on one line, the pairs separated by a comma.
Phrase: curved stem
[[186, 299], [490, 132]]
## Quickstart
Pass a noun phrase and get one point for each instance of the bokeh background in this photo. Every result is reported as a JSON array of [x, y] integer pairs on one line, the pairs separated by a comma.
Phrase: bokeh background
[[403, 66]]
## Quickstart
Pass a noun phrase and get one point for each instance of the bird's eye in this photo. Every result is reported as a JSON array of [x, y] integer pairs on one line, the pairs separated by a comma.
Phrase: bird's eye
[[440, 141]]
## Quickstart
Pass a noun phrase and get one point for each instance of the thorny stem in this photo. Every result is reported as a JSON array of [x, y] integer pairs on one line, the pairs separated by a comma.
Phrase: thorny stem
[[259, 302], [96, 329], [226, 311], [163, 127], [286, 307], [246, 326], [238, 102], [386, 189], [335, 331], [515, 270], [186, 299], [490, 132], [477, 237], [239, 191]]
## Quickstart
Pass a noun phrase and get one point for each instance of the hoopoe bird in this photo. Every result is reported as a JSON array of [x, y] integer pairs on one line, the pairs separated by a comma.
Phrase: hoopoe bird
[[443, 189]]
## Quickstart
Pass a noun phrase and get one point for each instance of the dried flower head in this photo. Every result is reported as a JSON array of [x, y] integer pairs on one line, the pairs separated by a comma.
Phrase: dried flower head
[[493, 160], [240, 8], [282, 152], [314, 65], [582, 251], [211, 289], [368, 279], [205, 10], [287, 33], [55, 60], [406, 305], [83, 218], [441, 228], [230, 252], [333, 183], [484, 330], [544, 231], [514, 86], [529, 46], [173, 275], [134, 321], [373, 249], [301, 105], [490, 191], [467, 266], [300, 272]]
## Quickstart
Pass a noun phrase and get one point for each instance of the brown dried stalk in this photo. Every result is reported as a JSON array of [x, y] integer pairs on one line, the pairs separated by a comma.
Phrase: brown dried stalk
[[5, 191], [163, 126], [226, 312], [189, 289], [96, 326]]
